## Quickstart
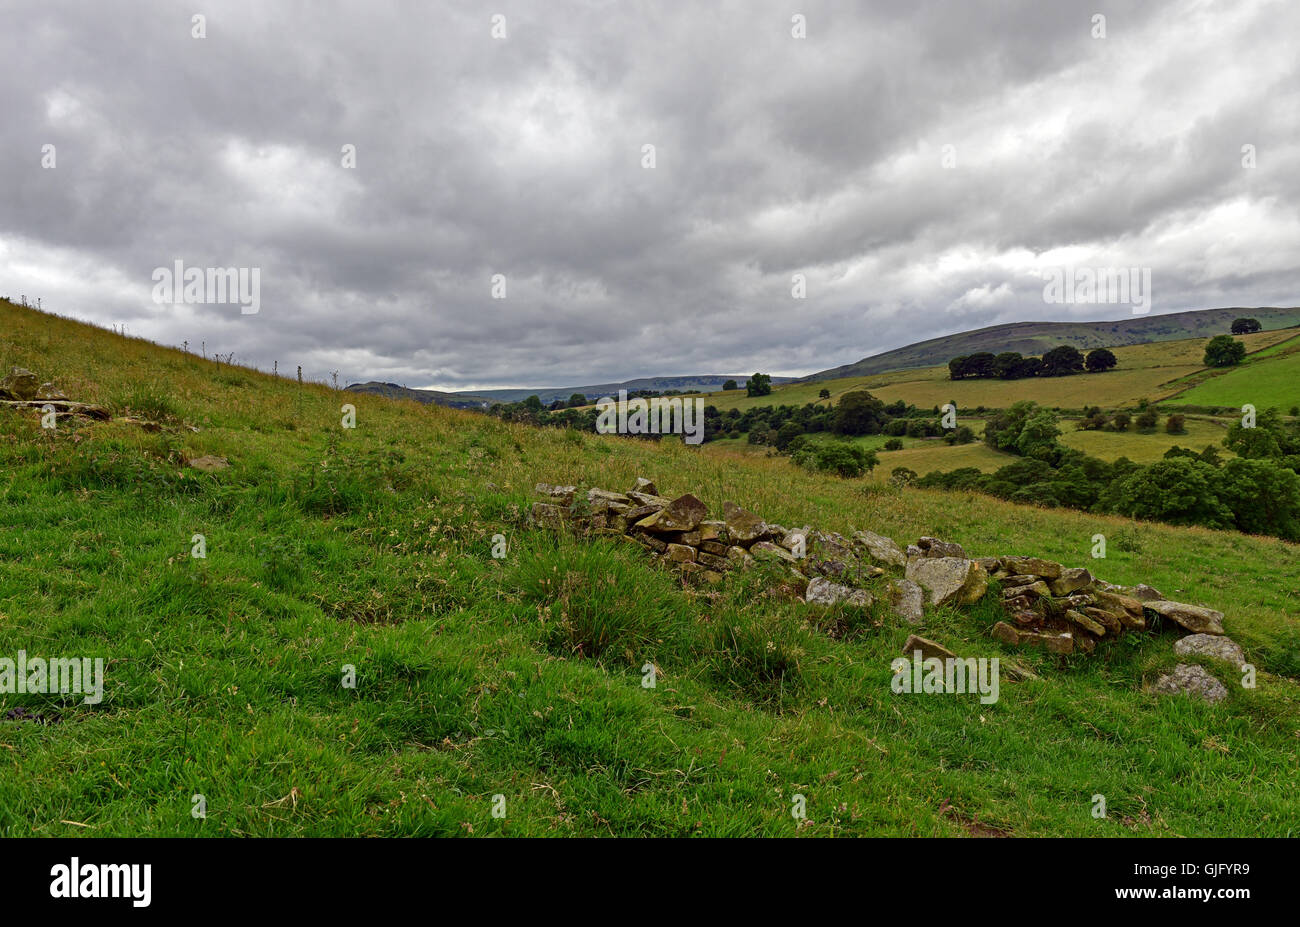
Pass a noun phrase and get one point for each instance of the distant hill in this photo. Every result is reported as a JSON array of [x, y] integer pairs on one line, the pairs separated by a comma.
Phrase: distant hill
[[697, 384], [393, 391], [1038, 337]]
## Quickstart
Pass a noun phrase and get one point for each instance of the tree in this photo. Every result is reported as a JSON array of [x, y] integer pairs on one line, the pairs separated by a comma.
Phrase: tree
[[1263, 497], [859, 413], [576, 400], [1038, 436], [533, 403], [824, 394], [842, 459], [760, 384], [1224, 351], [731, 384], [1062, 361], [1174, 424], [1100, 359], [1147, 421], [980, 365], [1245, 326], [1121, 421], [1008, 365], [957, 367], [1178, 490], [787, 433]]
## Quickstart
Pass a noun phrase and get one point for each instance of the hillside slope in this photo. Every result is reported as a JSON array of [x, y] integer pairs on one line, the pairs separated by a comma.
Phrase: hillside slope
[[370, 551], [1034, 338]]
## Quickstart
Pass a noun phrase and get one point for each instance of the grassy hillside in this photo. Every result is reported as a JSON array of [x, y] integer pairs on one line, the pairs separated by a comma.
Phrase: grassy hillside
[[372, 548], [1270, 378], [1038, 337]]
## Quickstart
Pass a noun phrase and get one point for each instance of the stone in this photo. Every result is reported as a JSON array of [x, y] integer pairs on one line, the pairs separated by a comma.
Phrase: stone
[[949, 580], [20, 383], [907, 600], [744, 527], [766, 550], [636, 513], [604, 495], [562, 494], [717, 548], [682, 514], [658, 545], [679, 553], [645, 498], [1213, 646], [1127, 610], [713, 561], [992, 564], [1144, 593], [880, 548], [1110, 620], [933, 547], [824, 592], [1053, 643], [215, 464], [929, 649], [1091, 625], [1006, 633], [1033, 566], [713, 530], [1034, 590], [547, 515], [1193, 680], [645, 486], [1192, 617], [50, 391], [1071, 580]]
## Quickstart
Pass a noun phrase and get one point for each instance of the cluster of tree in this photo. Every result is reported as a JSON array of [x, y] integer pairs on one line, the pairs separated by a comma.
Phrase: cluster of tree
[[857, 413], [760, 384], [1147, 420], [1245, 326], [1012, 365], [1258, 493]]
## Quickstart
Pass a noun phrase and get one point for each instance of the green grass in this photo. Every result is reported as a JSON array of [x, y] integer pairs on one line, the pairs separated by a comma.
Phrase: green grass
[[1268, 379], [522, 676]]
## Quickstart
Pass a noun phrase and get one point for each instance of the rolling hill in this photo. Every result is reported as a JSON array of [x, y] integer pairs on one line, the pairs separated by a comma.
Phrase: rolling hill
[[370, 554], [699, 384], [422, 396], [1034, 338]]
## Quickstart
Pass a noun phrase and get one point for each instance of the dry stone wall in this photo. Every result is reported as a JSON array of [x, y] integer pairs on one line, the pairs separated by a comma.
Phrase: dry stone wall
[[1062, 610]]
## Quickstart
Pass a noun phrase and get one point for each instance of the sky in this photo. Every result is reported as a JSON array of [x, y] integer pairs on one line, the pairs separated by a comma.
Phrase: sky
[[460, 196]]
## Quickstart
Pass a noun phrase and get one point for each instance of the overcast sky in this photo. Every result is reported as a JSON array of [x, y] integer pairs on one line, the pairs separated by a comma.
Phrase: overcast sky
[[523, 156]]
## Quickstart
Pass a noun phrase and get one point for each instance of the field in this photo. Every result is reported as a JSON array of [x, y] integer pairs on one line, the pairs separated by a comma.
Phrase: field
[[1145, 371], [1271, 379], [520, 676]]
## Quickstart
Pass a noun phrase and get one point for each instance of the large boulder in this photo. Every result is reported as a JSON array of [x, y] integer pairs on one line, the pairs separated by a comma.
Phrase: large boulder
[[1191, 679], [744, 526], [1213, 646], [949, 580], [824, 592], [1192, 617], [20, 383], [880, 548]]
